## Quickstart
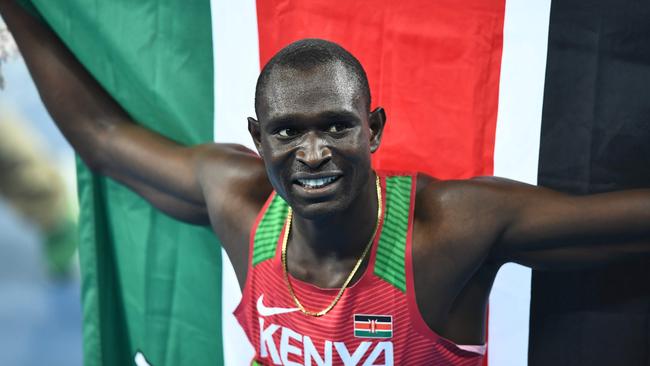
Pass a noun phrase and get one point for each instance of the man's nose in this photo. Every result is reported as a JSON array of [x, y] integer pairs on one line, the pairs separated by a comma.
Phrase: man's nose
[[313, 151]]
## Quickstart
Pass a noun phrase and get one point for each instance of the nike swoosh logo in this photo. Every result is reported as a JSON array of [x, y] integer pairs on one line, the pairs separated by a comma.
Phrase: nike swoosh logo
[[263, 310]]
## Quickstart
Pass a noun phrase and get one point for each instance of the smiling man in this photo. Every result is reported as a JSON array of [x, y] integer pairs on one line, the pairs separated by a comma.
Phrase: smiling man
[[339, 264]]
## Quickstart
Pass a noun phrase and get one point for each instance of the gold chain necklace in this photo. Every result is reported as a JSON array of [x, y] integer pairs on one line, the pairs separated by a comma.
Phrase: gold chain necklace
[[347, 281]]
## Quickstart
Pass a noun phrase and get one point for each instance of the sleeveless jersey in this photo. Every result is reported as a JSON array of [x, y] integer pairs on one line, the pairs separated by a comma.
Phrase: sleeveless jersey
[[376, 321]]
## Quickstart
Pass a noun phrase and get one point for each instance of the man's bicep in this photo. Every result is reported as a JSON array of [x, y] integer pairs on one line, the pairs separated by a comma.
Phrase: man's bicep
[[133, 154], [193, 183], [176, 208], [180, 176]]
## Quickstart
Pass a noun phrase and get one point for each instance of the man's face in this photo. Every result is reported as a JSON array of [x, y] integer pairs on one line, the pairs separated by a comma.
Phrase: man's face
[[315, 138]]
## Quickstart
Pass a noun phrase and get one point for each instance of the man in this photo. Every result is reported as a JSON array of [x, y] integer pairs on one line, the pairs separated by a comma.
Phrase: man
[[364, 267]]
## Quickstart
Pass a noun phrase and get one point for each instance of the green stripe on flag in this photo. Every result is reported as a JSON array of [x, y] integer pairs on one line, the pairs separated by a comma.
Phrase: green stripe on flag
[[150, 283], [376, 334]]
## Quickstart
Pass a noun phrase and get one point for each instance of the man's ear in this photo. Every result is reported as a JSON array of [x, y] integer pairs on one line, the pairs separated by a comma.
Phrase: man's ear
[[254, 130], [376, 122]]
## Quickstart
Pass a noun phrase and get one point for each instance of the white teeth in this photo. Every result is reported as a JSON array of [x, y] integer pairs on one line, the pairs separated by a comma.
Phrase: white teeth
[[316, 183]]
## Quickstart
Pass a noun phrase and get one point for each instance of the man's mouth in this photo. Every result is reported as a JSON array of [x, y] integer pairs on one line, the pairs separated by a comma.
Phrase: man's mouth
[[313, 183]]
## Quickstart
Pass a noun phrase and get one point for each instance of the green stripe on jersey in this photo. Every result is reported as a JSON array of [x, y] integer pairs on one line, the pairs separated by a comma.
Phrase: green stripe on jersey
[[390, 262], [268, 231]]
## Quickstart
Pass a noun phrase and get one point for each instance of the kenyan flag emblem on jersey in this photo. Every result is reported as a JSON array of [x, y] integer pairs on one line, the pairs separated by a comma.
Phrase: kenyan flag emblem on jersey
[[373, 326]]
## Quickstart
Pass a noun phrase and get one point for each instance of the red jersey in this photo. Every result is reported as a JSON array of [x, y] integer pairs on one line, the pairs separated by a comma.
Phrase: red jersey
[[376, 321]]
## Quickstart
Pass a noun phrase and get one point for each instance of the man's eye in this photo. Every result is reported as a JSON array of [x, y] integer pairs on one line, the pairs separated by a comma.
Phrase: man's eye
[[287, 132], [337, 127]]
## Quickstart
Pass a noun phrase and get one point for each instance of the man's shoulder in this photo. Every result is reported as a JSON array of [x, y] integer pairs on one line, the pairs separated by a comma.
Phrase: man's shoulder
[[235, 184], [433, 189], [428, 184], [454, 195], [459, 216]]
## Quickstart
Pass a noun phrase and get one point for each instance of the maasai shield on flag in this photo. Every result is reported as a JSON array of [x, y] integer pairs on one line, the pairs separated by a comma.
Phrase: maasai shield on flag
[[462, 83]]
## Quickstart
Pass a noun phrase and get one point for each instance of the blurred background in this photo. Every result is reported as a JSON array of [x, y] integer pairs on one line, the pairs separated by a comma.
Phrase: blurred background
[[40, 311]]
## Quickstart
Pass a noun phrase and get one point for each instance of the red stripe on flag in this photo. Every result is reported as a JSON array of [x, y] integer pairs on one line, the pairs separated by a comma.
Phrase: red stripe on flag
[[434, 67], [368, 326]]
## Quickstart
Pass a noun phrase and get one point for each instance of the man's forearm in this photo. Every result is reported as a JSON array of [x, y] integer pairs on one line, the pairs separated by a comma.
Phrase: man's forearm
[[97, 127], [557, 228], [80, 107]]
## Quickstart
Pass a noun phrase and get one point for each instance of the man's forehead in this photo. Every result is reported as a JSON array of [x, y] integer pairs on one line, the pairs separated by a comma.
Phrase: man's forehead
[[328, 87]]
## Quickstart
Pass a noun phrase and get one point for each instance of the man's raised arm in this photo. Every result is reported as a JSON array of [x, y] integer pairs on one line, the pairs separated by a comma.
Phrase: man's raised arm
[[173, 177]]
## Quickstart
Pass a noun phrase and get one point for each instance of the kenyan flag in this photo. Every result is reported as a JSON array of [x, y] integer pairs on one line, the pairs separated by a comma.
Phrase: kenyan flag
[[550, 92], [373, 326]]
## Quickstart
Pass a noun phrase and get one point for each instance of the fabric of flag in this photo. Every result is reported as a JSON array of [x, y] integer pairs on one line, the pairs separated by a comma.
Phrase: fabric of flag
[[463, 84], [149, 283], [594, 138]]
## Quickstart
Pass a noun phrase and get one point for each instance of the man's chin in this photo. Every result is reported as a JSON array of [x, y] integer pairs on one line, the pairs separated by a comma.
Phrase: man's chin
[[317, 202], [318, 210]]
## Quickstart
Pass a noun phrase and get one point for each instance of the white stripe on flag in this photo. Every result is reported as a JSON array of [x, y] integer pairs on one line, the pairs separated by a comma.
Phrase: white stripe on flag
[[516, 151], [236, 66]]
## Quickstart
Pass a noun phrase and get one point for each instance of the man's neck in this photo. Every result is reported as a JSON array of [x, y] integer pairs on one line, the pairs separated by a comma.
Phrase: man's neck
[[337, 237]]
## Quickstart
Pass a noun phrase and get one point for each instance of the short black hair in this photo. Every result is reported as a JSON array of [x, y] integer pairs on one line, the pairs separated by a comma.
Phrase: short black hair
[[307, 54]]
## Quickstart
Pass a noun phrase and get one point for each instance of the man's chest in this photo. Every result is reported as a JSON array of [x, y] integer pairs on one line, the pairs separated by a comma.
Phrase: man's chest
[[371, 324]]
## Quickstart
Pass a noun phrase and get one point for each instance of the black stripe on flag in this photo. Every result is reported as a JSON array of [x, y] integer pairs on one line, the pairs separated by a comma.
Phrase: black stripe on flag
[[595, 137], [365, 318]]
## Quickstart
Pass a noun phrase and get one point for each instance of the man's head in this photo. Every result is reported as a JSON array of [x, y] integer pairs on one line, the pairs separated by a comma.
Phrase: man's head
[[314, 128], [307, 54]]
